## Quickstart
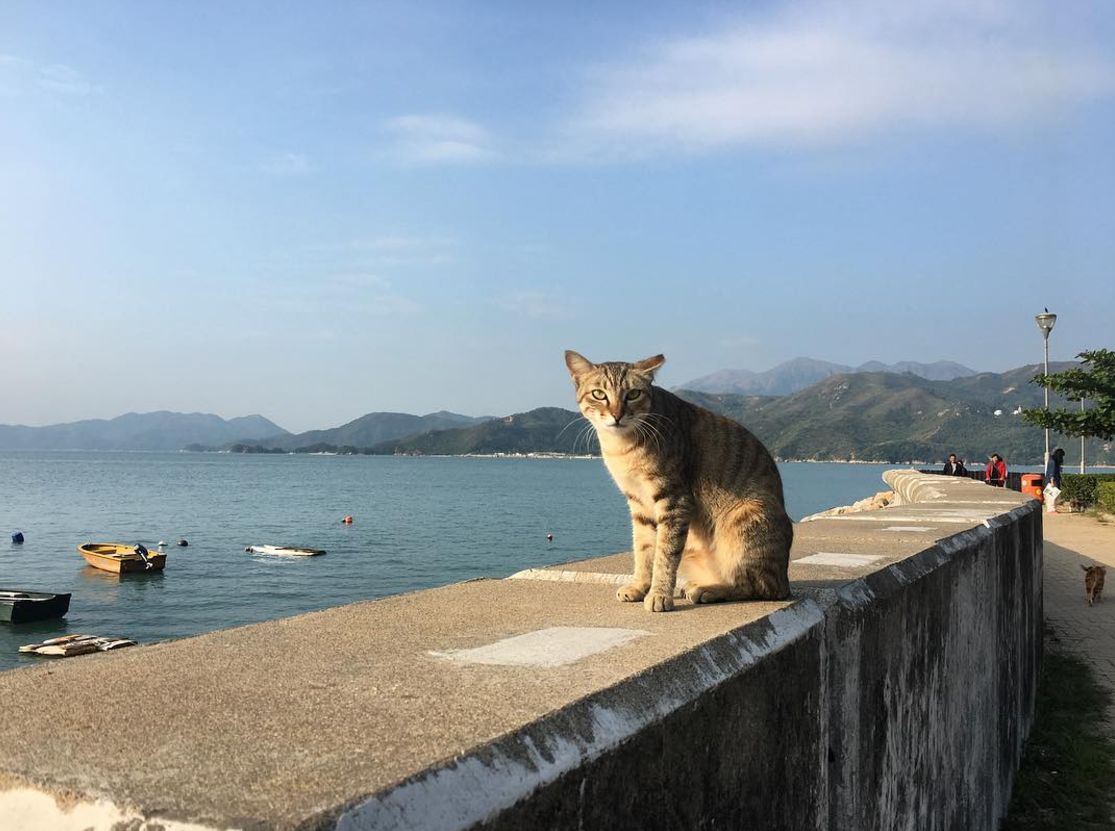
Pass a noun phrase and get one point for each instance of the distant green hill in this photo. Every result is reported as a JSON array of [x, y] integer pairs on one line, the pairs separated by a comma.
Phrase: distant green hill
[[544, 430], [898, 418], [364, 432]]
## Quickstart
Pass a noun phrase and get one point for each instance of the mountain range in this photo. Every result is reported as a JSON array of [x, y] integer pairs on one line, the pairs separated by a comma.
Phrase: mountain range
[[865, 415], [139, 431], [369, 430], [797, 374]]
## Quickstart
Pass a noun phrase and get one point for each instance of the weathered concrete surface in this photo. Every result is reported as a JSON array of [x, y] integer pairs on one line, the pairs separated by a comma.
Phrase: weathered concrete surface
[[892, 693]]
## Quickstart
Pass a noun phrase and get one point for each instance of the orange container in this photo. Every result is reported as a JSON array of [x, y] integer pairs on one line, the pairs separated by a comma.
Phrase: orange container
[[1032, 484]]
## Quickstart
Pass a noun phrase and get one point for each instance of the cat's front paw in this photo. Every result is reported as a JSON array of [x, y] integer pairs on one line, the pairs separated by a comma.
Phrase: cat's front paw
[[632, 592], [658, 601]]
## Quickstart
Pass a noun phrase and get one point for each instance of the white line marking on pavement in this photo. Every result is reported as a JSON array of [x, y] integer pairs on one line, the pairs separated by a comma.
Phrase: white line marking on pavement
[[552, 647], [828, 558]]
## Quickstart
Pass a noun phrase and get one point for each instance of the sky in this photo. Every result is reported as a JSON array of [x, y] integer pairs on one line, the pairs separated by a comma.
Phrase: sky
[[317, 211]]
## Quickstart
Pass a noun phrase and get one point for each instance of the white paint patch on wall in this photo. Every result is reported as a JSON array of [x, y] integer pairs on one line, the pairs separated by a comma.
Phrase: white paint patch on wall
[[828, 558], [552, 647]]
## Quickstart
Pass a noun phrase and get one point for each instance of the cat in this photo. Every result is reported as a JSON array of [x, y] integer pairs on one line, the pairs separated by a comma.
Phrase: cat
[[1093, 582], [704, 493]]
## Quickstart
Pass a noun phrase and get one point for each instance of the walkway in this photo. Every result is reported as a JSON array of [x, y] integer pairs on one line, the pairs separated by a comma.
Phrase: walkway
[[1072, 540]]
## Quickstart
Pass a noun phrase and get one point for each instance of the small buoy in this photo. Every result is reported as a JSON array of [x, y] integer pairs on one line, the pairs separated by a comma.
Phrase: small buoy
[[162, 543], [182, 543], [347, 520], [550, 537], [17, 537]]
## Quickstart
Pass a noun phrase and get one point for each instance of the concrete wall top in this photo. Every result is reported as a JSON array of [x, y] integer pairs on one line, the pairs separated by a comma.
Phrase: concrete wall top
[[436, 709]]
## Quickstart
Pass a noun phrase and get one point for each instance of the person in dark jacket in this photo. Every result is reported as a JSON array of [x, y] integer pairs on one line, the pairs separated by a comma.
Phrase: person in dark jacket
[[996, 471], [1054, 466], [953, 467]]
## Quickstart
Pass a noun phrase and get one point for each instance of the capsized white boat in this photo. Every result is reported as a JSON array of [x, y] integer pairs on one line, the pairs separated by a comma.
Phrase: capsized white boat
[[283, 551]]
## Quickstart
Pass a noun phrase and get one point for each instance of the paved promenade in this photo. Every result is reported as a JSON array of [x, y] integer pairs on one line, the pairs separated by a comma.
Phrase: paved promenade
[[1072, 540]]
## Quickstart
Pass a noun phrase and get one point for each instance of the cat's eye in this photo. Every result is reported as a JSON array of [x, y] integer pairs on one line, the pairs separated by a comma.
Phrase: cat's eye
[[631, 396], [600, 395]]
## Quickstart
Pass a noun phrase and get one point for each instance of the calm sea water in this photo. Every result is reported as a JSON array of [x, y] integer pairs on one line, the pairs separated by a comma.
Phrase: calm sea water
[[420, 522]]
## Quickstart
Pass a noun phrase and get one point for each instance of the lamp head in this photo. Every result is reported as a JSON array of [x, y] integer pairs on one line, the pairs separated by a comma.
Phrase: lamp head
[[1046, 321]]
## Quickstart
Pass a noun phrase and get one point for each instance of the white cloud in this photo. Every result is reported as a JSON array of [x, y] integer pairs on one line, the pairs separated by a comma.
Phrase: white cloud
[[825, 72], [534, 305], [366, 293], [19, 76], [438, 139], [287, 164]]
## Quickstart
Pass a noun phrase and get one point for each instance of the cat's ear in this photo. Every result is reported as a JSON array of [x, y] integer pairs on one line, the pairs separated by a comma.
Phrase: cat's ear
[[1084, 566], [578, 364], [650, 365]]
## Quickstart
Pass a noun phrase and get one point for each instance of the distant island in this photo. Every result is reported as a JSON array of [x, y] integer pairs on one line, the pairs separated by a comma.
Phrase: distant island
[[888, 416]]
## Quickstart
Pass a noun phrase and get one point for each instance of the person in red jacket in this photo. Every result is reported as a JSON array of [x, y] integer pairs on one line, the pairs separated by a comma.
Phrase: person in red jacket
[[996, 471]]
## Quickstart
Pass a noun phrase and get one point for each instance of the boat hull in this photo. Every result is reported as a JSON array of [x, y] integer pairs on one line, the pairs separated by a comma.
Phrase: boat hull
[[32, 606], [120, 559]]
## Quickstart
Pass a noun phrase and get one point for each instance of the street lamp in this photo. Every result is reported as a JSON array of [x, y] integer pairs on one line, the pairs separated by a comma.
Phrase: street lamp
[[1046, 321]]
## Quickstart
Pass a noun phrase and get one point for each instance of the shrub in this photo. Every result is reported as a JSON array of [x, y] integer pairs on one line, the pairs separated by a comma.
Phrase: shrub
[[1079, 489], [1105, 496]]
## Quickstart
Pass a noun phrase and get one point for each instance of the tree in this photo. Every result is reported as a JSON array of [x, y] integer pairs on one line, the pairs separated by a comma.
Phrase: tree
[[1096, 385]]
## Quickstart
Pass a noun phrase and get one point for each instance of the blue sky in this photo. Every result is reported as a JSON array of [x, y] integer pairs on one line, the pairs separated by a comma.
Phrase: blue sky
[[312, 214]]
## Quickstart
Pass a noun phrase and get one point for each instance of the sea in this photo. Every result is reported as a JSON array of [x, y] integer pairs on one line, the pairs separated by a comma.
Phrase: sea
[[418, 522]]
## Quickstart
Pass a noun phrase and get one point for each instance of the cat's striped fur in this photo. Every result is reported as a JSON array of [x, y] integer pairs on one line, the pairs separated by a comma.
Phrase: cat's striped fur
[[705, 495]]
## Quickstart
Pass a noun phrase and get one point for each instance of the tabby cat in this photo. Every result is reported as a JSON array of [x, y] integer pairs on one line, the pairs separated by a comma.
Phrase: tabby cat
[[1093, 582], [705, 495]]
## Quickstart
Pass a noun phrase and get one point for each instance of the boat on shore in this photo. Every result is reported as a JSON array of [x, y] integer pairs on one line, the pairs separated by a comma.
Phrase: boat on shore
[[121, 558], [20, 606], [284, 551]]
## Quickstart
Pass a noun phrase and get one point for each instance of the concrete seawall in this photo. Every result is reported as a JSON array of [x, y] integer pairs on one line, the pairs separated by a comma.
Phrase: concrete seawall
[[893, 691]]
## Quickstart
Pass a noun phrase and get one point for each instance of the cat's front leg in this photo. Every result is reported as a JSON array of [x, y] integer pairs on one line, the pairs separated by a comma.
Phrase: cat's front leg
[[644, 534], [672, 515]]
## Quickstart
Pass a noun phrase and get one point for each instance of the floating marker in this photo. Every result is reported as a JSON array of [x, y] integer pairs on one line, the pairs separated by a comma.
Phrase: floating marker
[[183, 543], [17, 538], [347, 520], [550, 537]]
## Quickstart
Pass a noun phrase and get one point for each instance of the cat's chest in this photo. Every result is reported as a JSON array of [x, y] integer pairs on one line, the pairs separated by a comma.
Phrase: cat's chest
[[634, 476]]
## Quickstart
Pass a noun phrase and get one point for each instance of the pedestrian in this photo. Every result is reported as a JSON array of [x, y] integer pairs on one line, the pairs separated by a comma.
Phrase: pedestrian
[[996, 471], [953, 467], [1052, 489]]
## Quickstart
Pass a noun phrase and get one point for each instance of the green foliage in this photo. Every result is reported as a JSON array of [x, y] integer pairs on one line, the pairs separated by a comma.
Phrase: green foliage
[[1105, 496], [1079, 489], [1096, 385]]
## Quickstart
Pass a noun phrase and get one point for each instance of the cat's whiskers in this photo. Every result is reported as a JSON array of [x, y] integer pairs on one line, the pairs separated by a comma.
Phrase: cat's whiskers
[[587, 433], [646, 430], [567, 426]]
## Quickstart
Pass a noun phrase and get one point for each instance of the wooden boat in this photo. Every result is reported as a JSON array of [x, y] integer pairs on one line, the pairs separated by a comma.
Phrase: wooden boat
[[18, 606], [120, 558], [283, 551]]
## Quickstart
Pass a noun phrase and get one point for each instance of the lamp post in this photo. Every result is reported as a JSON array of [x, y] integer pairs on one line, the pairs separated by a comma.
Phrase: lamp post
[[1046, 321], [1082, 441]]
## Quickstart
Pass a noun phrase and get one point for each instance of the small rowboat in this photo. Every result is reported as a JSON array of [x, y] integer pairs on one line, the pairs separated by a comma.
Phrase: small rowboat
[[283, 551], [18, 606], [120, 558]]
